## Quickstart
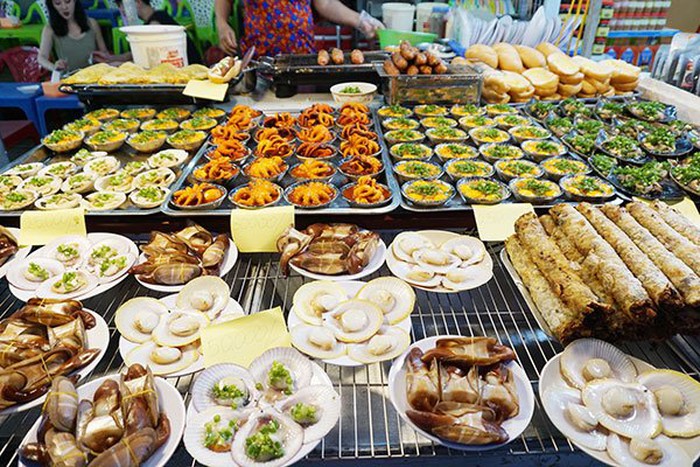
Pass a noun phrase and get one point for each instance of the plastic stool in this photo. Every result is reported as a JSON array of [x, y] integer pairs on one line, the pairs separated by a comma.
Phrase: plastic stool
[[12, 97], [43, 104]]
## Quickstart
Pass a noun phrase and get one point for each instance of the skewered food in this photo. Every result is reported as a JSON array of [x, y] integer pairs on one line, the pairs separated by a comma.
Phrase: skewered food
[[256, 194]]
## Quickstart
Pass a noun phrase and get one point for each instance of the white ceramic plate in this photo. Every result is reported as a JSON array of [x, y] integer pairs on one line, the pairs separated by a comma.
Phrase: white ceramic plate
[[169, 401], [550, 377], [374, 264], [22, 253], [229, 262], [126, 346], [351, 288], [318, 377], [438, 237], [97, 338], [94, 237], [513, 426]]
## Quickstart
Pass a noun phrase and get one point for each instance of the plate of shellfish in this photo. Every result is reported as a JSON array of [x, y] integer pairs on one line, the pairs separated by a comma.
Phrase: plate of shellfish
[[10, 251], [440, 261], [58, 337], [170, 260], [352, 323], [163, 334], [143, 423], [339, 252], [621, 410], [466, 393], [273, 413], [73, 267]]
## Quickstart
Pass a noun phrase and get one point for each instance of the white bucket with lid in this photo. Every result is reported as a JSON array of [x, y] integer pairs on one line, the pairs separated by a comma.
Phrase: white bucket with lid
[[152, 45], [398, 16], [423, 12]]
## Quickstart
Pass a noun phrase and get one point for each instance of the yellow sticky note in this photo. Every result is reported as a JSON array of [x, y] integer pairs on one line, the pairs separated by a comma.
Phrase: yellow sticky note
[[496, 223], [205, 89], [257, 230], [242, 340], [40, 227]]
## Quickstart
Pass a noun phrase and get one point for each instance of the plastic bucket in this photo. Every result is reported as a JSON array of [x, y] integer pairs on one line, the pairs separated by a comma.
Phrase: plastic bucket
[[398, 16], [423, 11], [152, 45], [389, 37]]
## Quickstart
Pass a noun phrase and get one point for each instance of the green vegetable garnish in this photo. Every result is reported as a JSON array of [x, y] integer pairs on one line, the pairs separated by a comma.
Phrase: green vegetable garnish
[[280, 378], [486, 187], [38, 272], [587, 184], [603, 163], [261, 447], [150, 193], [228, 392], [350, 90], [520, 168], [304, 414], [539, 188]]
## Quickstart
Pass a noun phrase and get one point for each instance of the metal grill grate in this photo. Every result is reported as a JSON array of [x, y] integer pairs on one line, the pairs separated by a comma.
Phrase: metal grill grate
[[369, 427]]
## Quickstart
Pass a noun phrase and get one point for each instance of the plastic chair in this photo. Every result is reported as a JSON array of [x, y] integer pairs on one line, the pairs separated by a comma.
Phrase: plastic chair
[[32, 23], [44, 104], [23, 64]]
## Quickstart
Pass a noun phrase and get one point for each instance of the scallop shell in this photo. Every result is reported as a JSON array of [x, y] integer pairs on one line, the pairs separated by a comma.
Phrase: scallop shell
[[292, 436], [69, 167], [147, 309], [145, 203], [58, 201], [556, 400], [579, 352], [301, 334], [45, 290], [83, 187], [163, 333], [167, 158], [53, 185], [116, 201], [425, 258], [16, 274], [103, 183], [155, 177], [673, 455], [207, 379], [406, 243], [687, 423], [195, 431], [398, 339], [129, 261], [467, 278], [417, 275], [101, 166], [325, 400], [119, 245], [298, 365], [395, 297], [346, 317], [142, 355], [206, 294], [468, 249], [81, 244], [313, 299]]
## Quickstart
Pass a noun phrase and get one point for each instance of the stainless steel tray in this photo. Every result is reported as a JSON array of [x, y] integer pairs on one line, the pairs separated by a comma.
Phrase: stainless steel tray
[[338, 207]]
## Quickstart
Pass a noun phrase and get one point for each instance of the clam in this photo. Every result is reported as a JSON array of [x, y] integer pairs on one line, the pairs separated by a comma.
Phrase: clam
[[281, 371], [61, 404], [436, 260], [70, 284], [179, 328], [206, 294], [262, 428], [354, 320], [317, 341], [137, 318], [589, 359], [387, 344], [104, 201], [79, 183], [576, 421], [162, 360], [59, 169], [395, 297], [115, 267], [314, 299], [407, 243], [30, 273], [469, 250], [224, 385], [638, 452], [316, 408], [70, 250], [418, 275], [678, 399]]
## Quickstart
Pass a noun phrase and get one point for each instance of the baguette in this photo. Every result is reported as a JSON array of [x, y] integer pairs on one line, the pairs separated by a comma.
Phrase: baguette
[[508, 58], [541, 77], [562, 64], [516, 82], [531, 58], [547, 49], [483, 53], [572, 79], [493, 97], [597, 71], [588, 87], [567, 90]]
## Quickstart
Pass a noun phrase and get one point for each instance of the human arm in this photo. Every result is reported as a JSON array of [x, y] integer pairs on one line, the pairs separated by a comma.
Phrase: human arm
[[45, 51], [100, 41], [336, 12], [227, 37]]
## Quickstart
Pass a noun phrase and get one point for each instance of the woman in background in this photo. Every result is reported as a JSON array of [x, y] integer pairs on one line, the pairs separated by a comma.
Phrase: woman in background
[[71, 35]]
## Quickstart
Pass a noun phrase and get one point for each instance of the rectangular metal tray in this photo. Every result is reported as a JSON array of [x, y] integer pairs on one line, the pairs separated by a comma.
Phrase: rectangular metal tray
[[456, 203], [338, 207]]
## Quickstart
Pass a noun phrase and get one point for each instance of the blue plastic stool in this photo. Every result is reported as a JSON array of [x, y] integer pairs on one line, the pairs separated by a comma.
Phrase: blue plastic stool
[[12, 97], [44, 103]]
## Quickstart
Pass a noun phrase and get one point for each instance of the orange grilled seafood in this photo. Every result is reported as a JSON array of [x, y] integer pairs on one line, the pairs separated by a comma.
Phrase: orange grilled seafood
[[287, 134], [200, 193], [233, 150], [352, 108], [315, 150], [223, 133], [366, 191], [216, 169], [256, 194], [279, 120], [357, 145], [324, 108], [310, 118], [240, 121], [349, 119], [315, 134], [266, 167], [275, 146], [312, 194], [362, 165], [311, 169], [358, 129], [245, 110]]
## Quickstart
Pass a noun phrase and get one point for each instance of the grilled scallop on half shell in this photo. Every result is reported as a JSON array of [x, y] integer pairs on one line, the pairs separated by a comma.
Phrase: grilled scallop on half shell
[[354, 320], [387, 344], [224, 385], [283, 430], [469, 250], [178, 329], [281, 371], [587, 360], [317, 341], [407, 243], [30, 273], [206, 294], [312, 300], [660, 451], [163, 360], [678, 399], [575, 420], [137, 318], [316, 408], [395, 297]]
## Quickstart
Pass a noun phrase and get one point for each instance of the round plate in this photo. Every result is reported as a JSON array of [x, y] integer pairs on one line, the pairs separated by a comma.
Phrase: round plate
[[95, 237], [126, 346], [229, 262], [438, 237], [551, 377], [374, 264], [22, 253], [351, 288], [318, 377], [98, 338], [169, 402], [513, 426]]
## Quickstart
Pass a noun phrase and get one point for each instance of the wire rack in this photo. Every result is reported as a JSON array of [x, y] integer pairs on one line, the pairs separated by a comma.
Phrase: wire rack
[[369, 427]]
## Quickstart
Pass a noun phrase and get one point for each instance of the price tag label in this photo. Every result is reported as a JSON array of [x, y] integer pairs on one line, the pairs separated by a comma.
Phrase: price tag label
[[496, 223], [257, 230], [41, 227]]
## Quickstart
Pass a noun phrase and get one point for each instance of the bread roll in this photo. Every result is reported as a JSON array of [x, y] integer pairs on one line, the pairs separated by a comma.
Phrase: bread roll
[[541, 77], [587, 87], [496, 82], [460, 61], [597, 71], [567, 90], [516, 82], [493, 97], [610, 92], [519, 96], [554, 97], [531, 58], [544, 92], [508, 58], [623, 72], [562, 64], [483, 53], [571, 79], [547, 49], [626, 87]]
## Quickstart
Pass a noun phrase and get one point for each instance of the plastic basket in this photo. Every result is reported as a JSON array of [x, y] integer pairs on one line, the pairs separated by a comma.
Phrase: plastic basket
[[389, 37]]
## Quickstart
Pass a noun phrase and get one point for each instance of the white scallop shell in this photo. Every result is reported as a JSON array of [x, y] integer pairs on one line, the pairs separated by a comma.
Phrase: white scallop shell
[[167, 158], [143, 203], [82, 187], [420, 257], [361, 309], [579, 352], [195, 432], [206, 294], [103, 183], [687, 424], [117, 199], [101, 166], [469, 250], [326, 401], [406, 243], [330, 293], [129, 311], [207, 379], [466, 278], [292, 436], [53, 185], [32, 168], [45, 290], [163, 334], [155, 177], [416, 275], [129, 261], [556, 400], [300, 339], [69, 167], [119, 244], [395, 297], [16, 272], [142, 355], [400, 341], [298, 365], [673, 455], [82, 244], [58, 201]]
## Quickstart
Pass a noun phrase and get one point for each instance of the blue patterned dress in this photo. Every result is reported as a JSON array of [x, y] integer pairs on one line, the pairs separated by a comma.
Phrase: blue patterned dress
[[278, 27]]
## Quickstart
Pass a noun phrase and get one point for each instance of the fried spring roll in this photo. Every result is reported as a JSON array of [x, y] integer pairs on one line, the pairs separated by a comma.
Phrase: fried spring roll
[[603, 263], [680, 246], [682, 277], [678, 221], [565, 323], [657, 285]]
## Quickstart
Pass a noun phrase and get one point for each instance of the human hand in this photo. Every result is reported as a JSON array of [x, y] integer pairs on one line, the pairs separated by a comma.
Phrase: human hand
[[101, 57], [60, 65], [227, 39], [368, 25]]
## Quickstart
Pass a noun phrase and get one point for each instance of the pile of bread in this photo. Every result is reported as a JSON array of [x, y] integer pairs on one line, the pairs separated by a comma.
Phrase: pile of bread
[[517, 73]]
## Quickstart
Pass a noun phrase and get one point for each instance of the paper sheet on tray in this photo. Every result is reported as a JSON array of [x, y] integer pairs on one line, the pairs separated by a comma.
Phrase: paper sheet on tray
[[686, 207], [40, 227], [257, 230], [496, 223]]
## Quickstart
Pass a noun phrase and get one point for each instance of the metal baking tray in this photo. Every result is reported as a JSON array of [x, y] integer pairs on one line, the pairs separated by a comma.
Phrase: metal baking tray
[[338, 207], [124, 154], [456, 203]]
